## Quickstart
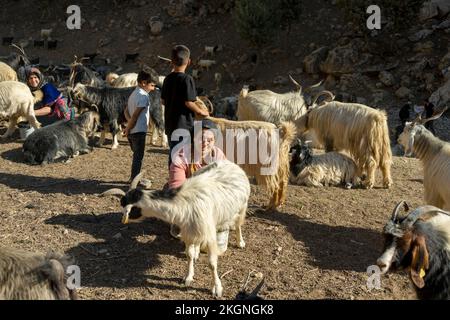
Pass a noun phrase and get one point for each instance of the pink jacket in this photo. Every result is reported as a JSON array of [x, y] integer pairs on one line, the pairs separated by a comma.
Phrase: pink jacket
[[181, 168]]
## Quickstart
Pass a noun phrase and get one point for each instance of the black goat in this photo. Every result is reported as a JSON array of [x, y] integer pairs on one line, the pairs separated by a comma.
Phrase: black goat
[[61, 140], [420, 242]]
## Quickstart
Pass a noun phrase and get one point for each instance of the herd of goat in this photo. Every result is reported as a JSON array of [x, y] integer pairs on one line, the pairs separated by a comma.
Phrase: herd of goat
[[355, 138]]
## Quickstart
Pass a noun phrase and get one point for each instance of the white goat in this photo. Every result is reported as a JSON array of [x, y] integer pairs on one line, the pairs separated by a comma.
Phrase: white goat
[[214, 198], [355, 128], [269, 106], [332, 168], [16, 101], [435, 157], [127, 80], [7, 73]]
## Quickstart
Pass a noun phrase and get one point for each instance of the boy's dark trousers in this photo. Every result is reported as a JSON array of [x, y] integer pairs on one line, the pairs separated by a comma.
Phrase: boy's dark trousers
[[137, 144]]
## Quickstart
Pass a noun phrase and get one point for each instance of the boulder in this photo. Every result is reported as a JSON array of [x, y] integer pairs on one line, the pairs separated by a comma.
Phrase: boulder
[[386, 78], [311, 63], [441, 96], [403, 92]]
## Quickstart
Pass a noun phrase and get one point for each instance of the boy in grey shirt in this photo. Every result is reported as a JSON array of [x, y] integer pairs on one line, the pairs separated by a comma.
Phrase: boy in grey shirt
[[137, 114]]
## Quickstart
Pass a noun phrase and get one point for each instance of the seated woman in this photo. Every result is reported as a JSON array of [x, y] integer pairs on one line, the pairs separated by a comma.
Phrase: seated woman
[[182, 167], [53, 107]]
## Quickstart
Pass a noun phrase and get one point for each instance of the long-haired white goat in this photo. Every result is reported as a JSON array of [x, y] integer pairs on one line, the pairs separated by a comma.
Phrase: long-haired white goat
[[269, 106], [331, 168], [435, 157], [249, 141], [7, 73], [357, 129], [213, 198], [16, 101]]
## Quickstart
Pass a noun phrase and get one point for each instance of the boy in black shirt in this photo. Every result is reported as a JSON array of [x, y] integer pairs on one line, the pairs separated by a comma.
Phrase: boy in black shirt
[[178, 96]]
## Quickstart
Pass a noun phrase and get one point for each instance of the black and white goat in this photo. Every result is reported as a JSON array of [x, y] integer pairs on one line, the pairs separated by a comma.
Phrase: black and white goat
[[61, 140], [34, 276], [332, 168], [214, 198], [420, 242], [111, 104]]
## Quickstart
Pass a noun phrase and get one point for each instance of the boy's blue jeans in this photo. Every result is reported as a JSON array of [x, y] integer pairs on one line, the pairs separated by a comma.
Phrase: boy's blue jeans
[[137, 144]]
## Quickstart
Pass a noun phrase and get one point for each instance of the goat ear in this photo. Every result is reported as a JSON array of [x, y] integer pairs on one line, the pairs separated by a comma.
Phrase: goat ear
[[419, 262]]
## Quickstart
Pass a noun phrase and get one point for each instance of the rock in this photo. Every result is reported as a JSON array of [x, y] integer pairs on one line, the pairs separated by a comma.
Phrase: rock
[[422, 34], [361, 100], [65, 232], [117, 236], [344, 59], [131, 39], [441, 96], [423, 47], [429, 78], [280, 80], [312, 61], [403, 92], [386, 78], [434, 8], [156, 27], [92, 23], [445, 61], [418, 68], [405, 81], [379, 96], [443, 25], [379, 85], [102, 251], [446, 73]]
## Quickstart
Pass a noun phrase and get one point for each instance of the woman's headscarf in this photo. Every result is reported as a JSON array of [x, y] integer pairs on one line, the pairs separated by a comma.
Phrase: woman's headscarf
[[29, 71]]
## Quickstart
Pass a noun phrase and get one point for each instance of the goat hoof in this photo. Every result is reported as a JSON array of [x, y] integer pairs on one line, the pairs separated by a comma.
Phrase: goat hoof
[[188, 282], [387, 184], [242, 244], [114, 147], [348, 186], [217, 291]]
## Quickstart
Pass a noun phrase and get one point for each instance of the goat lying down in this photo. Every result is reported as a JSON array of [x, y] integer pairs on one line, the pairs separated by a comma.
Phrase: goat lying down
[[63, 139], [33, 276], [332, 168], [420, 242], [214, 198]]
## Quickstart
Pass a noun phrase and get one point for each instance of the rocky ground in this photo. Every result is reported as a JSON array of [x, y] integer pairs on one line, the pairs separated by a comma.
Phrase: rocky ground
[[316, 246]]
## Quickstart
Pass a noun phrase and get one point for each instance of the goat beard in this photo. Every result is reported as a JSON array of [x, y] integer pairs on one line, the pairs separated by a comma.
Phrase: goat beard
[[125, 216]]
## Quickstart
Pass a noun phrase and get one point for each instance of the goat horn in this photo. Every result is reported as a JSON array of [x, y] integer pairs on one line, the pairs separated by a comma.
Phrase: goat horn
[[416, 214], [318, 84], [434, 117], [19, 48], [295, 83], [113, 192], [165, 59], [397, 209], [326, 92], [136, 180]]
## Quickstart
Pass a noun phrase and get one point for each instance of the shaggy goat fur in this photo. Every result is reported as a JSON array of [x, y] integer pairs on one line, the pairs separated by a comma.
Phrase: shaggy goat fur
[[16, 101], [33, 276], [275, 183], [214, 198], [357, 129], [332, 168], [435, 157], [63, 139], [7, 73]]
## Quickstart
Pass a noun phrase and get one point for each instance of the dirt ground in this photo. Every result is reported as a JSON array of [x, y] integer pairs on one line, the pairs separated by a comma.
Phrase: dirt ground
[[317, 246]]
